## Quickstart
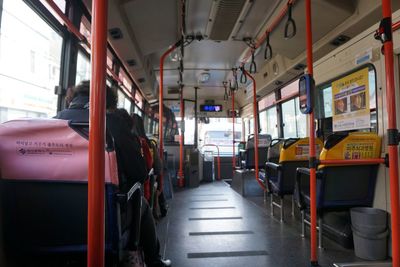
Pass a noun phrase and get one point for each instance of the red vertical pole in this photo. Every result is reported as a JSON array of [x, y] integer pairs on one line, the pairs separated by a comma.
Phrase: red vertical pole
[[255, 115], [161, 105], [313, 180], [181, 176], [97, 113], [233, 134], [392, 132]]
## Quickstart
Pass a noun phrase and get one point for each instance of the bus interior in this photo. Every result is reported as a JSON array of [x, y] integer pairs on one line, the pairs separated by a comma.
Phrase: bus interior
[[271, 127]]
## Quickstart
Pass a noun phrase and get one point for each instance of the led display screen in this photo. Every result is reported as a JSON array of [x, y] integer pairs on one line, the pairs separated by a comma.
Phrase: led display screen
[[211, 108]]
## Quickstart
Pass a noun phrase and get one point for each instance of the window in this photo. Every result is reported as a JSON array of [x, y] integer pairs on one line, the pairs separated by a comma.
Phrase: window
[[272, 122], [294, 122], [124, 102], [30, 53], [251, 126], [138, 111], [83, 68], [219, 132], [190, 123], [268, 122]]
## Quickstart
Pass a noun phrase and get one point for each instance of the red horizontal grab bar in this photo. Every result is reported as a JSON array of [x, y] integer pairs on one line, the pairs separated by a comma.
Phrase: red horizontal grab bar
[[70, 26], [396, 26], [273, 25], [351, 161]]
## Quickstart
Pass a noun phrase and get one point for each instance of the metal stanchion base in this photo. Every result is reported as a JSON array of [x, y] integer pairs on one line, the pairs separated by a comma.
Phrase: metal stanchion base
[[181, 180], [314, 264]]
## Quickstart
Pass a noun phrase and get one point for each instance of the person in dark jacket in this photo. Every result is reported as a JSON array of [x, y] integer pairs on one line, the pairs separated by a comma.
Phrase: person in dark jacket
[[138, 128], [131, 165]]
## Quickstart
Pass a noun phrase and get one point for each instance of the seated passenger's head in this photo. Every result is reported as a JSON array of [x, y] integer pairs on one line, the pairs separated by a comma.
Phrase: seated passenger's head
[[83, 89], [138, 125], [123, 114]]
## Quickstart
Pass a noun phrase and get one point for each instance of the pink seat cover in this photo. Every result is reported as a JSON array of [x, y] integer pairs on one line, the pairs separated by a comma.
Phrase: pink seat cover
[[47, 150]]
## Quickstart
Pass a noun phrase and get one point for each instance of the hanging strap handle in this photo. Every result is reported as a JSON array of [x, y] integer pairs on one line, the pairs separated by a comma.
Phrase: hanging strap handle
[[226, 96], [253, 65], [243, 77], [268, 49], [235, 85], [290, 22]]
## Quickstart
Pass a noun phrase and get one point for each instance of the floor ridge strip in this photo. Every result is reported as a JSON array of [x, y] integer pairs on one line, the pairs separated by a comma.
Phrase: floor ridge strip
[[227, 254], [211, 208], [221, 233], [215, 218]]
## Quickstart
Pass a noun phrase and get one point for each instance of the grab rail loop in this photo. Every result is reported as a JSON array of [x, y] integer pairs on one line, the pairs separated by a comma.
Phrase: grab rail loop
[[243, 77], [290, 22], [268, 48]]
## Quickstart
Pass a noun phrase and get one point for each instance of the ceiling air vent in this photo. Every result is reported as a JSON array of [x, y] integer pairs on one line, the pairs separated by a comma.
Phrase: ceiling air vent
[[341, 39], [115, 33], [131, 62], [223, 17], [299, 67]]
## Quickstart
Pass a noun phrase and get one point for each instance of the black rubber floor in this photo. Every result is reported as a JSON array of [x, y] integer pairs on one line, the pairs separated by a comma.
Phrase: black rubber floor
[[215, 227]]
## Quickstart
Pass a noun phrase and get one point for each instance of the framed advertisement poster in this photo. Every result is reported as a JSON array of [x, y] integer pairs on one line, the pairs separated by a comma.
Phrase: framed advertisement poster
[[350, 102]]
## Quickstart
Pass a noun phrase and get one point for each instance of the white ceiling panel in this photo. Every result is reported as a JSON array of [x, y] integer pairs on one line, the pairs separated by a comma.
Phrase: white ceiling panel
[[154, 23]]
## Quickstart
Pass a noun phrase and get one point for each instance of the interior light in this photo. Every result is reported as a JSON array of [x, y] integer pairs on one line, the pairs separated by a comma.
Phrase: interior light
[[204, 77]]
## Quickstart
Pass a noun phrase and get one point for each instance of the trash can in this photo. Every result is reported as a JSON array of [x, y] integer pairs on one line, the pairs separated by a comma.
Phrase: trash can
[[370, 233], [370, 247], [369, 221]]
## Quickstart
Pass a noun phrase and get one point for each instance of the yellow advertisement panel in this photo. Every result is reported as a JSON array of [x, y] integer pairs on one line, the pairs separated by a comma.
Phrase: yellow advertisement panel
[[350, 102]]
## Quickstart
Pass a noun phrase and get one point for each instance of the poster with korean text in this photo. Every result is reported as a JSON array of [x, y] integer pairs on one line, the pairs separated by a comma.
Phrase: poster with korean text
[[350, 102]]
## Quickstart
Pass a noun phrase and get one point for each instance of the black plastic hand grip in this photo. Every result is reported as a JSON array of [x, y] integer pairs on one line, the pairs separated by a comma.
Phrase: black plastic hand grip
[[290, 23]]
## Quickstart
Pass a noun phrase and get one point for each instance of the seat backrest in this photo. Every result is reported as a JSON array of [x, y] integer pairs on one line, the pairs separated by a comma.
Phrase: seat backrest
[[294, 154], [43, 180], [274, 150], [348, 185], [264, 141]]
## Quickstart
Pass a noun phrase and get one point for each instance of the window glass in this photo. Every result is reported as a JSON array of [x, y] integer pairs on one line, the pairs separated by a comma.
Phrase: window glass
[[268, 122], [127, 104], [251, 126], [272, 122], [289, 119], [294, 122], [83, 68], [301, 120], [219, 131], [263, 122], [139, 99], [190, 123], [30, 56], [123, 101]]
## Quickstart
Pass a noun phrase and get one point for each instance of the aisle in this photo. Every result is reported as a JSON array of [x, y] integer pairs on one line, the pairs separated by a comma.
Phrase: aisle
[[214, 226]]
